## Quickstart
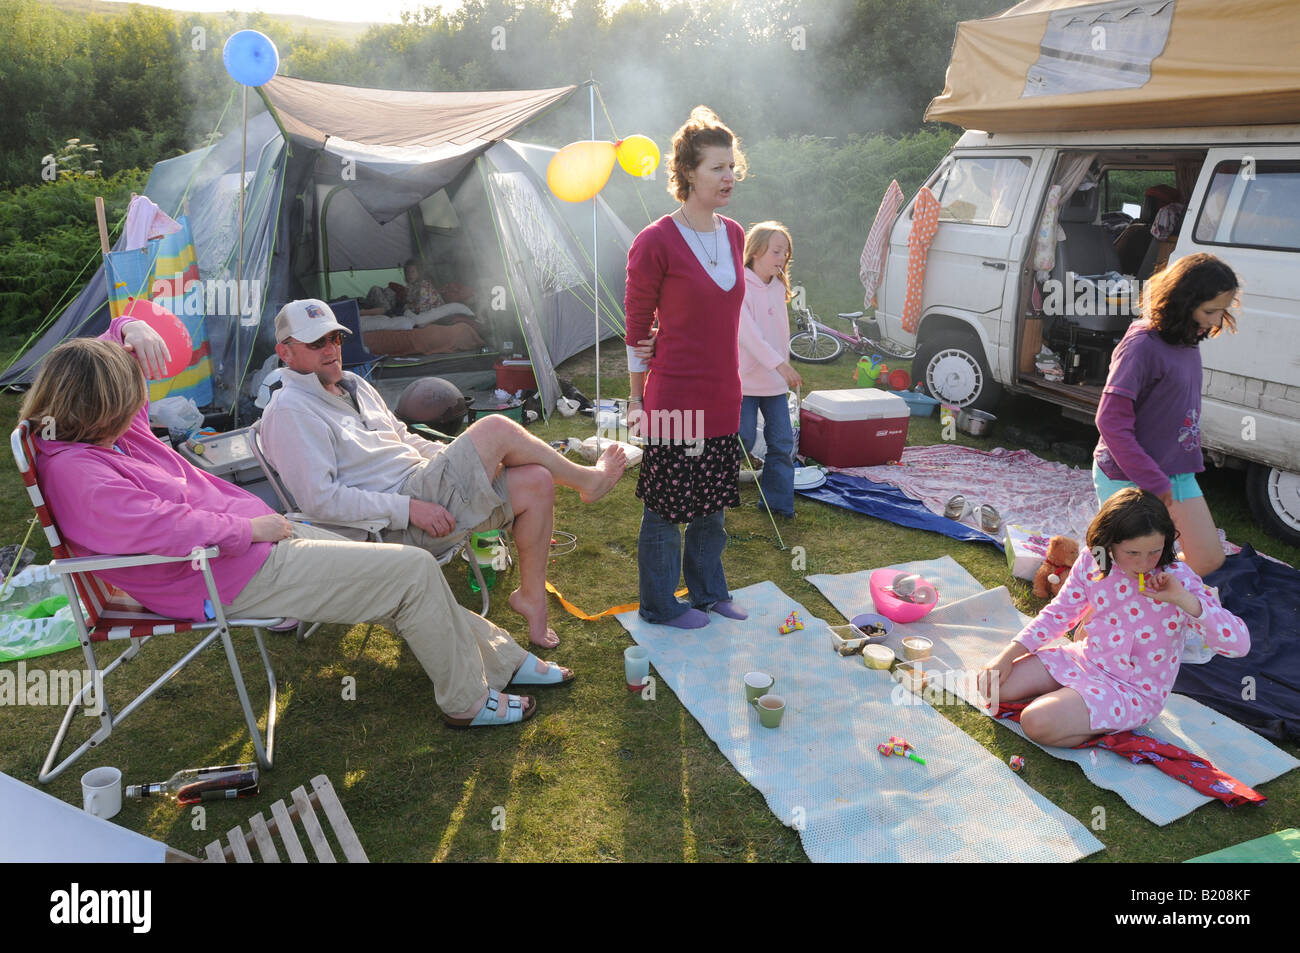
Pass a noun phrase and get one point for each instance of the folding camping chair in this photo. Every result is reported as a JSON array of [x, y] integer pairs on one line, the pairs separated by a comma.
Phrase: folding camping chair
[[356, 356], [103, 613], [368, 529]]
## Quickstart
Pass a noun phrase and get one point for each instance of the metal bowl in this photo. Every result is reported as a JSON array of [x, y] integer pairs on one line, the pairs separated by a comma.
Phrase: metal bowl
[[975, 422]]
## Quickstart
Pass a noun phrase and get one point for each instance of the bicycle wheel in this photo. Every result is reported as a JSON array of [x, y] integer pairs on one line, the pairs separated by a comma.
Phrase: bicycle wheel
[[819, 349]]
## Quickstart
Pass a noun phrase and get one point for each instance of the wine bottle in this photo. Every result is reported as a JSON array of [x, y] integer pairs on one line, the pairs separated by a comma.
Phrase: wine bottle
[[192, 785]]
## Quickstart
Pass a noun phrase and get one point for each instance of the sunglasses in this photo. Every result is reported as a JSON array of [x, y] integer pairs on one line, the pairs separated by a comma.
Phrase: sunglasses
[[334, 337]]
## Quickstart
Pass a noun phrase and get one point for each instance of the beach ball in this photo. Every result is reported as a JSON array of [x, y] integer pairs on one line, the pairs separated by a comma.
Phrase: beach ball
[[169, 327], [580, 170], [250, 57]]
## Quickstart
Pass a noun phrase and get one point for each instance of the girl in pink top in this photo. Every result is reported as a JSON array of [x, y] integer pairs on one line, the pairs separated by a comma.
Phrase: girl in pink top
[[1137, 601], [765, 372]]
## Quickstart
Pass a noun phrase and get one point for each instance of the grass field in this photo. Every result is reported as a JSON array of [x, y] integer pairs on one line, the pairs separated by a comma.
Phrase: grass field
[[597, 775]]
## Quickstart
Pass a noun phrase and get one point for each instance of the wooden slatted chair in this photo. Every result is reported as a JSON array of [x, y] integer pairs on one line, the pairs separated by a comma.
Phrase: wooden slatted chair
[[284, 824], [103, 613]]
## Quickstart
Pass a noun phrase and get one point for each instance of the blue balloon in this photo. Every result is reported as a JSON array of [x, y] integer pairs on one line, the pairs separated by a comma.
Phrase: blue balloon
[[250, 58]]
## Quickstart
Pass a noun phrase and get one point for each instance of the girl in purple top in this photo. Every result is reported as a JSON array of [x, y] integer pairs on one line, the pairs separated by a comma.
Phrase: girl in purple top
[[1149, 417], [1138, 603]]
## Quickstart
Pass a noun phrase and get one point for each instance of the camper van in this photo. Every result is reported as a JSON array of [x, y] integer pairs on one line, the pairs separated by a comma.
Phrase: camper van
[[992, 320], [1100, 147]]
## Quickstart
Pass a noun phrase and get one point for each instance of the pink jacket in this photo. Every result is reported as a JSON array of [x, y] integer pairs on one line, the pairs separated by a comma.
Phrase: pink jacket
[[150, 499], [764, 337]]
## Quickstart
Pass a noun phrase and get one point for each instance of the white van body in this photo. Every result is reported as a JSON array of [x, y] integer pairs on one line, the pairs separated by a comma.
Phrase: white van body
[[983, 314]]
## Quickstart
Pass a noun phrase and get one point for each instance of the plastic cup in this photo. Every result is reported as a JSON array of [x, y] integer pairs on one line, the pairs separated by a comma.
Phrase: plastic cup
[[636, 666]]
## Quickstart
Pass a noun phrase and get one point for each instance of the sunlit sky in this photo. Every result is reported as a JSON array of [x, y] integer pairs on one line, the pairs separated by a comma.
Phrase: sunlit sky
[[369, 11]]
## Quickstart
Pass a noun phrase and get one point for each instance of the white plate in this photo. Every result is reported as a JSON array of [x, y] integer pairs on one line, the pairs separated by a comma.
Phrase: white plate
[[808, 478]]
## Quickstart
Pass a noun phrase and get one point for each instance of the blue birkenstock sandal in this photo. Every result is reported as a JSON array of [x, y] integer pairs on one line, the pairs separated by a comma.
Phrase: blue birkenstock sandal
[[518, 708], [527, 673]]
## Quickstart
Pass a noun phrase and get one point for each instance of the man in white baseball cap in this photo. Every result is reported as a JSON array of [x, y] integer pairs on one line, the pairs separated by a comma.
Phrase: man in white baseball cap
[[344, 456]]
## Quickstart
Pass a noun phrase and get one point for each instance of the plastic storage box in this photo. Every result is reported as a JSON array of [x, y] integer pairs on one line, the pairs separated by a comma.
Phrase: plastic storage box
[[515, 374], [853, 428], [229, 456]]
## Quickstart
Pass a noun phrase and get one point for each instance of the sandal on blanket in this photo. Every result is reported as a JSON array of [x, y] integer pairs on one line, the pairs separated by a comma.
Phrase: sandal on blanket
[[518, 708], [955, 508], [527, 673], [990, 520]]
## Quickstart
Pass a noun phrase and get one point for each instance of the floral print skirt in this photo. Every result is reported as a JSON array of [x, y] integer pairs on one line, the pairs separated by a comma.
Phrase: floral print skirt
[[680, 486]]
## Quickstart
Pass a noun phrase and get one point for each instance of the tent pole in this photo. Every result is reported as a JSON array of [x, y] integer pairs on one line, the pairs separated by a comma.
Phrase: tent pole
[[595, 260], [239, 268]]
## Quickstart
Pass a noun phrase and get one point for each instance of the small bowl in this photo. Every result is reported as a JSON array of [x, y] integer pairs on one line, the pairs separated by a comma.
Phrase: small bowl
[[867, 620], [918, 673], [975, 422], [916, 647]]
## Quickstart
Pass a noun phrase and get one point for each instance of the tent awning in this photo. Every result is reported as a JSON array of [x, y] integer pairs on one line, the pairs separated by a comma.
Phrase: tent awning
[[390, 117], [1127, 64]]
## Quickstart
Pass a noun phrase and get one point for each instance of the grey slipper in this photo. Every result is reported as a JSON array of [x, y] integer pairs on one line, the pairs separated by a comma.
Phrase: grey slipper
[[955, 509], [989, 519]]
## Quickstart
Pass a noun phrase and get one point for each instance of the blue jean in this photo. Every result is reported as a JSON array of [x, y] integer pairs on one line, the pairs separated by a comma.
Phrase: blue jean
[[777, 482], [660, 562]]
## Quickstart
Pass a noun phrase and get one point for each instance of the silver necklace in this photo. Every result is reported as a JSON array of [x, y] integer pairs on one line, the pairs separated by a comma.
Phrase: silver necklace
[[713, 259]]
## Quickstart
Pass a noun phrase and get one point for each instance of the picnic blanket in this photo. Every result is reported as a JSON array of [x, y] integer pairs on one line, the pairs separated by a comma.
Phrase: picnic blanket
[[970, 625], [1262, 689], [820, 771], [1043, 497]]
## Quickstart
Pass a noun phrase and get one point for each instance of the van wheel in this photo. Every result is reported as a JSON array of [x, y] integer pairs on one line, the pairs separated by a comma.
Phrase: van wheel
[[953, 368], [1274, 498]]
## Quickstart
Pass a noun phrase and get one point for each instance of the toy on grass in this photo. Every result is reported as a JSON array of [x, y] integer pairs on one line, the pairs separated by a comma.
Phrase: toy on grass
[[1061, 554], [1016, 762], [792, 623]]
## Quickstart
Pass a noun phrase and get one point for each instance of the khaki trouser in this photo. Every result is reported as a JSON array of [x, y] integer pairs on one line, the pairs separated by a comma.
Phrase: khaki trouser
[[456, 480], [319, 576]]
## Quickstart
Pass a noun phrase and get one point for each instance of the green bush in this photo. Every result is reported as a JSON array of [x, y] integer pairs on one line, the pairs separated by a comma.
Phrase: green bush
[[49, 242]]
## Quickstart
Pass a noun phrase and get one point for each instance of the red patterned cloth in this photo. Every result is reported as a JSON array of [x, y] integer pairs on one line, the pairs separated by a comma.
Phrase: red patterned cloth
[[1178, 763]]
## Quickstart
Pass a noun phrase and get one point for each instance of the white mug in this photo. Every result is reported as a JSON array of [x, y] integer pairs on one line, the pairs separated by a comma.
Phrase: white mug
[[101, 792]]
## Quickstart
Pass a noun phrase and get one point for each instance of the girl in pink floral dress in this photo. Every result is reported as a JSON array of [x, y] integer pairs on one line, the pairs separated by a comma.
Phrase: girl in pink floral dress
[[1137, 601]]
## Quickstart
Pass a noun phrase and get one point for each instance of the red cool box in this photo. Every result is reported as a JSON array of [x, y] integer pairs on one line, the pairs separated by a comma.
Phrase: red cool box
[[853, 428]]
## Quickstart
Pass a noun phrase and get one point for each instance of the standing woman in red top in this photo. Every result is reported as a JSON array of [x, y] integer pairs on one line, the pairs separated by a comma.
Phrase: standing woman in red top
[[685, 273]]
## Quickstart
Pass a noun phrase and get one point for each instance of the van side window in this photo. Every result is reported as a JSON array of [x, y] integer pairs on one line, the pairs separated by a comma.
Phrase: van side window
[[980, 191], [1252, 205]]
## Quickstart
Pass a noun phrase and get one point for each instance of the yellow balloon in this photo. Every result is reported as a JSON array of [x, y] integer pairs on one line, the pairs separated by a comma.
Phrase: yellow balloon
[[638, 155], [580, 170]]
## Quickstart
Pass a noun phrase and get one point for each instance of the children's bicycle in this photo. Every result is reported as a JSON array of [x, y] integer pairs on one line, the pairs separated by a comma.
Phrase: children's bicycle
[[818, 343]]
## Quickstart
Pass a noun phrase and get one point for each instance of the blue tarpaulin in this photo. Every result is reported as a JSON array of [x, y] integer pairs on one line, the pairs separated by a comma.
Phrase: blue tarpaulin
[[887, 502]]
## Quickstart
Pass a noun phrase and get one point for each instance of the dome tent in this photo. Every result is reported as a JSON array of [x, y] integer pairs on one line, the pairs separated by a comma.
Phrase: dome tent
[[344, 184]]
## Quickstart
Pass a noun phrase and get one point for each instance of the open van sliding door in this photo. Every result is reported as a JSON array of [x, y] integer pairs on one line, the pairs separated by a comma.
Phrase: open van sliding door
[[1246, 211], [966, 337]]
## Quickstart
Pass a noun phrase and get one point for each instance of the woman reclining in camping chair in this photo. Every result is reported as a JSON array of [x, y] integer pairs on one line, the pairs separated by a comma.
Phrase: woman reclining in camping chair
[[115, 488]]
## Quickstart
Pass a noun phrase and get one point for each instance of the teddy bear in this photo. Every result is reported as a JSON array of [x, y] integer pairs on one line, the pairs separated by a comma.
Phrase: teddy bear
[[1061, 554]]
